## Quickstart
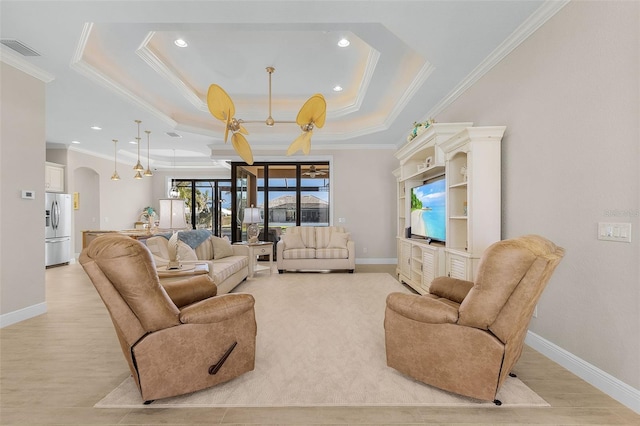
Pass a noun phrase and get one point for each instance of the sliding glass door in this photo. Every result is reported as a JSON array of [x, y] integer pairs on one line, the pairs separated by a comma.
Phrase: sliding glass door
[[287, 194], [208, 204]]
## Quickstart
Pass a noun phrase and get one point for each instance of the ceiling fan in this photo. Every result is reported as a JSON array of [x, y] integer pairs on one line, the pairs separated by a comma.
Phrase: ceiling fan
[[312, 114], [313, 172]]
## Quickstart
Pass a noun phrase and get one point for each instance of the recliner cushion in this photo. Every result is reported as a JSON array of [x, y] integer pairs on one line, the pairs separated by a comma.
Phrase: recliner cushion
[[501, 268], [128, 264]]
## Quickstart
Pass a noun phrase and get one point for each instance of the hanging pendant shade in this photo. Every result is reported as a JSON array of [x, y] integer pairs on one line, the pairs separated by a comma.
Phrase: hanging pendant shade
[[115, 175], [148, 172], [173, 192], [138, 167]]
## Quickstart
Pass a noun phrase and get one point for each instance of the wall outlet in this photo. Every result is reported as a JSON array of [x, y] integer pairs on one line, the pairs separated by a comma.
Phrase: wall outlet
[[365, 250]]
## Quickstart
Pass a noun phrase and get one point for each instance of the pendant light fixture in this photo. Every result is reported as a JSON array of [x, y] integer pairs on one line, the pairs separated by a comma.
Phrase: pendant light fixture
[[173, 192], [138, 167], [115, 175], [148, 172]]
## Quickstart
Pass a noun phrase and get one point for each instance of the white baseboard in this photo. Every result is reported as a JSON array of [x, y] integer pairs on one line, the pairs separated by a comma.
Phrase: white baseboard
[[22, 314], [605, 382], [375, 261]]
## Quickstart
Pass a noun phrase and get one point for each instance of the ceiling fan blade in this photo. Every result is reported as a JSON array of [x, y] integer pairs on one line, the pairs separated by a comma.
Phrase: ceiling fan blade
[[243, 130], [220, 103], [302, 142], [313, 111], [226, 127], [242, 147], [306, 142]]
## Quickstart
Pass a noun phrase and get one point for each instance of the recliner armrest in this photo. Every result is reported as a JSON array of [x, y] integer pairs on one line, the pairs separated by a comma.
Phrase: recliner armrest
[[190, 290], [422, 309], [450, 288], [217, 309]]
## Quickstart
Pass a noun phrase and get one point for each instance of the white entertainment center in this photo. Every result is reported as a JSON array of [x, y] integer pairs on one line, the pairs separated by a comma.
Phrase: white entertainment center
[[469, 159]]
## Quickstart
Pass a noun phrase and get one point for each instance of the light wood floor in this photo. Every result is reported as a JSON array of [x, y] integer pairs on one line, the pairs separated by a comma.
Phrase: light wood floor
[[56, 366]]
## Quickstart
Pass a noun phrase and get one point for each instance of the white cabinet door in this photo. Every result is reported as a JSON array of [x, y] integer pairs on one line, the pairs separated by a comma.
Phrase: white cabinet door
[[429, 267], [458, 266], [53, 178], [405, 259]]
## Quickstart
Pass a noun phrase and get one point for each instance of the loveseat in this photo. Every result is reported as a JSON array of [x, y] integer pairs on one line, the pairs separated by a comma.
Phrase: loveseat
[[316, 248], [228, 264]]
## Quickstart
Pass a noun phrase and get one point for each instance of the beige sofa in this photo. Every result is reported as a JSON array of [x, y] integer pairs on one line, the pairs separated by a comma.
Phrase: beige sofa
[[316, 248], [228, 264]]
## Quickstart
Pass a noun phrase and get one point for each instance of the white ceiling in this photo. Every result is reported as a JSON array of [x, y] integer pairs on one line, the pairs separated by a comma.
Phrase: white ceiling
[[110, 63]]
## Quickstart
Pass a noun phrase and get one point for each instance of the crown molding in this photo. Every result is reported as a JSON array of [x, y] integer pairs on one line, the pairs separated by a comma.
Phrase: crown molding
[[547, 10], [81, 66], [170, 74], [18, 62]]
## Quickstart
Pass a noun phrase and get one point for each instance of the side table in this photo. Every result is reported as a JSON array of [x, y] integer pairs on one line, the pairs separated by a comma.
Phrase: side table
[[261, 248]]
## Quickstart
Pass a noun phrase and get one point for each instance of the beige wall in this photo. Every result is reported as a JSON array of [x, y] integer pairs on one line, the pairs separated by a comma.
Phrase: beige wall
[[22, 135], [121, 202], [569, 96], [364, 192]]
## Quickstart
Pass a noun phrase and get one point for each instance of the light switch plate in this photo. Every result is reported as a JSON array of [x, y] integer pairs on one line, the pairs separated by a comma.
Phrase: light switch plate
[[614, 232]]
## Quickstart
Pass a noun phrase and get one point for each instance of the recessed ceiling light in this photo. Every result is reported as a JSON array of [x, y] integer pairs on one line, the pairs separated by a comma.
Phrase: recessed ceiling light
[[75, 141], [337, 88], [180, 42], [96, 127], [343, 42]]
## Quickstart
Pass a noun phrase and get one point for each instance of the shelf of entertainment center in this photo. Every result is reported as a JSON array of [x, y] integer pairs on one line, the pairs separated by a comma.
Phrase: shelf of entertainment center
[[469, 159], [427, 173]]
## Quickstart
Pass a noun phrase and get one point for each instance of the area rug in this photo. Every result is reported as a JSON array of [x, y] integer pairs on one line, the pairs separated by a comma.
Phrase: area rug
[[320, 342]]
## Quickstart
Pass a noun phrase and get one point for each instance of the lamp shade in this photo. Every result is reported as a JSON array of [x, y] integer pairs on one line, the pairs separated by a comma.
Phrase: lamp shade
[[252, 215], [172, 213]]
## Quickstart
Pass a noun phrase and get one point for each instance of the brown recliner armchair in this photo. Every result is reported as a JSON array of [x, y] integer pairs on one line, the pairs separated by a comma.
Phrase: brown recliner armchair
[[465, 337], [176, 339]]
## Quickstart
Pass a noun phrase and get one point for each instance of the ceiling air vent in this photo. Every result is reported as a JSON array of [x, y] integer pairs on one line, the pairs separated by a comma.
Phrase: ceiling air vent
[[174, 135], [19, 47]]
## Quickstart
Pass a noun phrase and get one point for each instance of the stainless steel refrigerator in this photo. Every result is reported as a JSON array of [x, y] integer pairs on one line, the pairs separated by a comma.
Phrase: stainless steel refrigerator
[[58, 228]]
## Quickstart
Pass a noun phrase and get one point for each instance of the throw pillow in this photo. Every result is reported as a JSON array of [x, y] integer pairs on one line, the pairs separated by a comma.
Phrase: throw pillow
[[185, 252], [221, 247], [338, 240], [292, 240]]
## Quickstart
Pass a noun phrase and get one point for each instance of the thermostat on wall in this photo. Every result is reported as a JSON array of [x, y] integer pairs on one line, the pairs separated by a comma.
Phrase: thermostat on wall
[[30, 195]]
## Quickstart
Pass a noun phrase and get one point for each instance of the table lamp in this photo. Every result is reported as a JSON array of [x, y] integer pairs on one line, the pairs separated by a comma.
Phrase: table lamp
[[252, 218], [172, 217]]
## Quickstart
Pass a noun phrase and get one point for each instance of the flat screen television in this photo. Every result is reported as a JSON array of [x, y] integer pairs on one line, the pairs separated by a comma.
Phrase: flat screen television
[[428, 210]]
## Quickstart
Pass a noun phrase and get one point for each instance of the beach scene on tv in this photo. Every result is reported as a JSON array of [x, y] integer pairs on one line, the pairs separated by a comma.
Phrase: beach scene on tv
[[428, 210]]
